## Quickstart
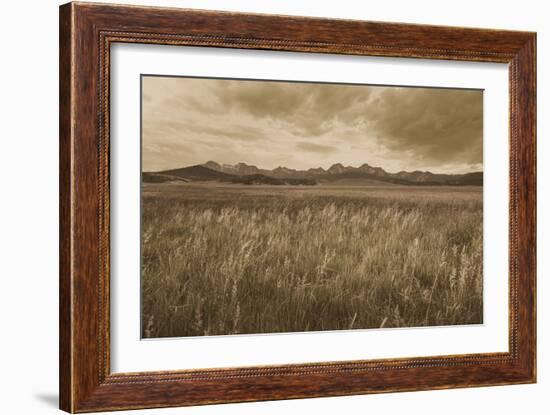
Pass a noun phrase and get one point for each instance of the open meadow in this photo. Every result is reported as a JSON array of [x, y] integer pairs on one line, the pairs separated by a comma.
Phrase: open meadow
[[221, 258]]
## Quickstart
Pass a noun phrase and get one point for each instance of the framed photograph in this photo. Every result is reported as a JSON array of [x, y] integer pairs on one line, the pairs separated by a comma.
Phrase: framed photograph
[[259, 207]]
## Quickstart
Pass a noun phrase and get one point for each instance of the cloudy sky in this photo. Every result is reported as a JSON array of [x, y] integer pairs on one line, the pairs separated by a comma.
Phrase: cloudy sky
[[187, 121]]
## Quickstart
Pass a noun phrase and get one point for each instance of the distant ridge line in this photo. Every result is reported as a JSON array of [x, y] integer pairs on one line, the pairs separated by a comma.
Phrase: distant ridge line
[[250, 174]]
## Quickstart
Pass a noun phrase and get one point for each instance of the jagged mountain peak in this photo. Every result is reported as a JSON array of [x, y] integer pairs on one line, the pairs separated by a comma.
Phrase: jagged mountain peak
[[338, 170], [212, 165]]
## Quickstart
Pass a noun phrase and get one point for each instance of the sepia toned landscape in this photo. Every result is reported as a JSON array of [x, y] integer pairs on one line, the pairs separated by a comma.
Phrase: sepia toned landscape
[[273, 207]]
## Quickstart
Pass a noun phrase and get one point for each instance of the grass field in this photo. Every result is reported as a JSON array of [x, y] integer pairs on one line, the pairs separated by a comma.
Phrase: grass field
[[227, 259]]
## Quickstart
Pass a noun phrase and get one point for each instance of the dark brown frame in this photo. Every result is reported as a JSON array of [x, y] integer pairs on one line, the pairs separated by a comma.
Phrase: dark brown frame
[[86, 33]]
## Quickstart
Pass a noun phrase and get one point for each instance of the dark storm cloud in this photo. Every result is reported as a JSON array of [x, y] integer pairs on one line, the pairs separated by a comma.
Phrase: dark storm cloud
[[310, 109], [234, 132], [315, 148], [434, 124], [303, 125]]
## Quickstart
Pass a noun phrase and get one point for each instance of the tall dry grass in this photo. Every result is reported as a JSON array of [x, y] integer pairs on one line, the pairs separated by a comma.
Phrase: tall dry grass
[[225, 262]]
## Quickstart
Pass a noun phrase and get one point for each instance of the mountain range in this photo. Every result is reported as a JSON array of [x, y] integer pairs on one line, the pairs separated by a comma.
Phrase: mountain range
[[250, 174]]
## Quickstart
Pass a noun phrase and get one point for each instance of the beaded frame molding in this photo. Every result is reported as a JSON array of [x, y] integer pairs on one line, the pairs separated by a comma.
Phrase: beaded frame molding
[[86, 33]]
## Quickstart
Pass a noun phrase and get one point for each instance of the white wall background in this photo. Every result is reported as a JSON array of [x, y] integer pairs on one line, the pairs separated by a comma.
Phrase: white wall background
[[28, 206]]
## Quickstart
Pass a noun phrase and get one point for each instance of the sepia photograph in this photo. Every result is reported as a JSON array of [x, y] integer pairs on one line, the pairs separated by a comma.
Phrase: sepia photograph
[[274, 206]]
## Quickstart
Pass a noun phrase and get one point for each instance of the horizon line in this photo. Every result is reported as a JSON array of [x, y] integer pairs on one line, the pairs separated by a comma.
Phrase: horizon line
[[311, 168]]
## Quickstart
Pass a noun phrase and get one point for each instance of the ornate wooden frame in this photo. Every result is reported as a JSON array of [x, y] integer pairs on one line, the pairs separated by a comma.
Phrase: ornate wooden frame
[[86, 33]]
